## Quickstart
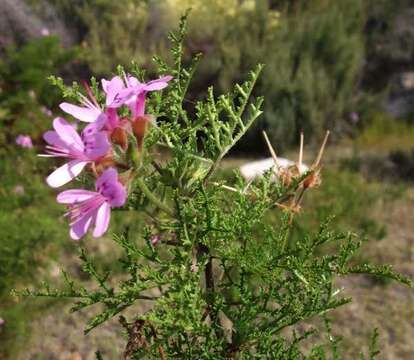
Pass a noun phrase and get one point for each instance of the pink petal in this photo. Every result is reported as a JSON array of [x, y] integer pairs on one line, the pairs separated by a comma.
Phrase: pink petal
[[65, 173], [74, 196], [166, 78], [133, 81], [96, 126], [112, 88], [112, 119], [81, 113], [118, 195], [105, 84], [52, 138], [80, 227], [67, 134], [108, 176], [98, 147], [157, 84], [122, 97], [138, 108], [102, 219]]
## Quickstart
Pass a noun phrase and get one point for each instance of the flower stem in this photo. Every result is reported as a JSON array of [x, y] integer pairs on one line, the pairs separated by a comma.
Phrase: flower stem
[[147, 192]]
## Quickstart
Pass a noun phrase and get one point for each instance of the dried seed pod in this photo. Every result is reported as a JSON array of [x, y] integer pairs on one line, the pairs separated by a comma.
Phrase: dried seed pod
[[119, 136], [313, 180]]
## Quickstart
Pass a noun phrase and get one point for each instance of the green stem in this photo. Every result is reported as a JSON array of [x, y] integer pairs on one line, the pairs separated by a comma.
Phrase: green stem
[[147, 192]]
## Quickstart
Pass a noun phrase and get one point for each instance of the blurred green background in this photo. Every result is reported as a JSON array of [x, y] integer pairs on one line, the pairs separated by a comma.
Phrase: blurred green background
[[344, 65]]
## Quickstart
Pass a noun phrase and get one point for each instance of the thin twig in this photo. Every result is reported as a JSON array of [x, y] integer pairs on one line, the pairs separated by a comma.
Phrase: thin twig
[[300, 152], [147, 192], [271, 150], [321, 150]]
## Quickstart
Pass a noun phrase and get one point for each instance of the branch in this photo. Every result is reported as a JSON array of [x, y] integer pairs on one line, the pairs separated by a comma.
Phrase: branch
[[147, 192]]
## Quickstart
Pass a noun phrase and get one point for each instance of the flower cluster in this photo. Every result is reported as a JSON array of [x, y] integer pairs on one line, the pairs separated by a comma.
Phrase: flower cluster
[[93, 149]]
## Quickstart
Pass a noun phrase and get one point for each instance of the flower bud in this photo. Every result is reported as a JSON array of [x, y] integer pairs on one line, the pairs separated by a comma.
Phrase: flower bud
[[139, 128], [119, 136]]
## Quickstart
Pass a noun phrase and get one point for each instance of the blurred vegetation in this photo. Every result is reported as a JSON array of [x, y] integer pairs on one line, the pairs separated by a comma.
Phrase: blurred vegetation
[[30, 228], [25, 93], [384, 133], [349, 198], [23, 196], [314, 52], [383, 149], [389, 41], [323, 57], [315, 63], [30, 235]]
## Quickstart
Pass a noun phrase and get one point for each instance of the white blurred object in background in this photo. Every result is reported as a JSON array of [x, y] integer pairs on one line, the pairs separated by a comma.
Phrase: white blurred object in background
[[254, 169]]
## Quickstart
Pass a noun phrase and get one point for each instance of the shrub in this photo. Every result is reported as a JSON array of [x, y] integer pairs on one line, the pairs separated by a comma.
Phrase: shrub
[[30, 235], [25, 92], [383, 133], [313, 64], [222, 282]]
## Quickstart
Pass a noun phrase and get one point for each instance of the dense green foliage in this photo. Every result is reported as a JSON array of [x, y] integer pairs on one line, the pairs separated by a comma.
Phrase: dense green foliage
[[313, 51], [25, 92], [313, 64], [22, 196], [30, 235]]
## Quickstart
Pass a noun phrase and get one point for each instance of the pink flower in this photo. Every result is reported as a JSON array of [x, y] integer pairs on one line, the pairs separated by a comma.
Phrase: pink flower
[[24, 141], [155, 239], [354, 117], [114, 89], [46, 111], [18, 190], [93, 208], [131, 93], [91, 146], [45, 32], [137, 102]]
